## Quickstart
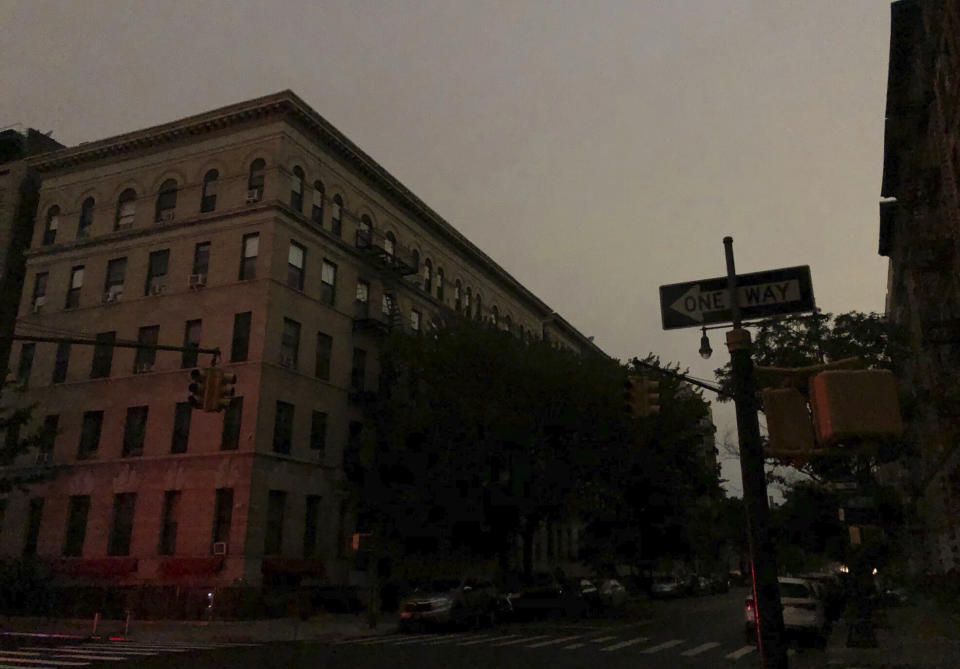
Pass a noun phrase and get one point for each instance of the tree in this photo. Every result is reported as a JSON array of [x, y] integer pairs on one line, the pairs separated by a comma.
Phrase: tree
[[18, 442]]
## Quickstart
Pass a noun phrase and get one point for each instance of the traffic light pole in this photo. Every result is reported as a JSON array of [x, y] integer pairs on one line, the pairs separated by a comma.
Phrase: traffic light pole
[[215, 352], [766, 594]]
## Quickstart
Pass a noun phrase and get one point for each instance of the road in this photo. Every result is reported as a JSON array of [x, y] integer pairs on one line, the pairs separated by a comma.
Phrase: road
[[704, 632]]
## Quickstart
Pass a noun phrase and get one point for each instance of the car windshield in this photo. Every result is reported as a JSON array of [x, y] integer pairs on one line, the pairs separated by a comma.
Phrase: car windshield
[[439, 585], [794, 591]]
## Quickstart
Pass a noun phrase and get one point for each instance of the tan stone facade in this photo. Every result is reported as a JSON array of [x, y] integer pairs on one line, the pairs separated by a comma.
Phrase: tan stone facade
[[299, 284]]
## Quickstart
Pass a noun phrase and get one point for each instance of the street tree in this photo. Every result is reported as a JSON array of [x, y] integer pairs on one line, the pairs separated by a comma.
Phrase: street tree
[[19, 441]]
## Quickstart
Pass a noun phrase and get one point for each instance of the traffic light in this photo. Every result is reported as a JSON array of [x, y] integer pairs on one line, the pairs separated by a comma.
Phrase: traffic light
[[631, 395], [227, 389], [640, 396], [651, 397], [198, 387]]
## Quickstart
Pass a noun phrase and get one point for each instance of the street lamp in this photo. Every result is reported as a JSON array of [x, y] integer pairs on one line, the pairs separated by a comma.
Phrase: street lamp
[[705, 350]]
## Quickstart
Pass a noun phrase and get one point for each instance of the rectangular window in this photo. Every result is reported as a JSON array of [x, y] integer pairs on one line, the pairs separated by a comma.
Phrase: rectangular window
[[201, 258], [290, 343], [328, 283], [230, 438], [144, 358], [39, 290], [296, 261], [316, 212], [248, 259], [240, 343], [121, 529], [168, 523], [358, 372], [336, 216], [73, 292], [276, 505], [61, 362], [134, 431], [34, 518], [25, 366], [415, 320], [318, 431], [76, 526], [48, 438], [283, 428], [191, 341], [387, 304], [102, 355], [157, 272], [222, 515], [90, 434], [182, 414], [113, 284], [324, 352], [310, 522]]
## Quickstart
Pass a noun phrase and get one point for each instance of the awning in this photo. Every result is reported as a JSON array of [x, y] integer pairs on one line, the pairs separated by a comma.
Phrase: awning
[[191, 566], [97, 567], [293, 566]]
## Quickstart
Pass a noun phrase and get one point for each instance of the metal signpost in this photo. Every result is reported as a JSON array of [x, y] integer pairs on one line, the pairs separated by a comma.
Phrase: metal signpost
[[760, 294]]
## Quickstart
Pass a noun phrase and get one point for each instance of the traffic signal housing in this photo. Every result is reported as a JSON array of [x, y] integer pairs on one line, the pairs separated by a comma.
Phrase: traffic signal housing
[[198, 388], [640, 396], [226, 390], [211, 389]]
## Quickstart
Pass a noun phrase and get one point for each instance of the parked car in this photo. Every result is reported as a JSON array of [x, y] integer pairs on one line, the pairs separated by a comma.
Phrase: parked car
[[803, 614], [668, 586], [444, 602], [544, 595], [831, 593]]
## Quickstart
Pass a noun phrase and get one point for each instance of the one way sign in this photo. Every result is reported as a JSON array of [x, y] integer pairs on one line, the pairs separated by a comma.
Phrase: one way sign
[[759, 294]]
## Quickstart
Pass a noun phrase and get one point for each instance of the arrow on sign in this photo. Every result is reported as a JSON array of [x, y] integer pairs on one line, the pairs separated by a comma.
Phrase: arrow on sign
[[695, 304]]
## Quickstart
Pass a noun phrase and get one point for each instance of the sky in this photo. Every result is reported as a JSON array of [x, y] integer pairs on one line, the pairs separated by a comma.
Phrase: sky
[[595, 149]]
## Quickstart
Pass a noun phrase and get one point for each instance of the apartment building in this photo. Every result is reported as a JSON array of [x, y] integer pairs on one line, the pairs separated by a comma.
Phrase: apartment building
[[261, 230], [920, 234]]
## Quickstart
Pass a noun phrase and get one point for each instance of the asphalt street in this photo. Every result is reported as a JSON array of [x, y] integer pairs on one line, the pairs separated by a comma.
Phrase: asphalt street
[[702, 632]]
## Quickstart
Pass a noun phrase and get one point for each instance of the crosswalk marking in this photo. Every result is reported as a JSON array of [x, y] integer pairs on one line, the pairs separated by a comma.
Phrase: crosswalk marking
[[574, 645], [91, 649], [662, 646], [603, 639], [25, 661], [474, 642], [551, 642], [737, 654], [702, 648], [624, 644], [459, 637], [376, 640], [524, 640], [421, 639]]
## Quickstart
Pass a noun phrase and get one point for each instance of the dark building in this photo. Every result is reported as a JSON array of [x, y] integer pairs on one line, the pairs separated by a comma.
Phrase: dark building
[[920, 234]]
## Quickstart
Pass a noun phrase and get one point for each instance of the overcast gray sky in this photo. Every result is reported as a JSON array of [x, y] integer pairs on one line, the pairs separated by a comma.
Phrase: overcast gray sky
[[595, 149]]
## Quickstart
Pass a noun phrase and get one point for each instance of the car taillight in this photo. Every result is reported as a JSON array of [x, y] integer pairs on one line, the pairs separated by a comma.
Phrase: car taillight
[[749, 604]]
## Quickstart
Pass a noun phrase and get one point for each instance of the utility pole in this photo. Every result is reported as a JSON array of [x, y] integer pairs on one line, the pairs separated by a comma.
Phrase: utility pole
[[766, 593]]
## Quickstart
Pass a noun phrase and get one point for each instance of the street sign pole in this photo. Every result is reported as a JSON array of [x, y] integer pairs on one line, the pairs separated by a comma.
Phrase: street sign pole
[[766, 594]]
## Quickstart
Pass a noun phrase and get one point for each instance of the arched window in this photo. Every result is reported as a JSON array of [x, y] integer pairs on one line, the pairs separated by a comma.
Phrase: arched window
[[390, 244], [166, 201], [494, 315], [86, 218], [296, 189], [126, 209], [255, 180], [440, 284], [51, 225], [336, 215], [479, 309], [364, 231], [427, 276], [507, 323], [208, 199], [457, 296], [466, 302], [415, 260], [316, 214]]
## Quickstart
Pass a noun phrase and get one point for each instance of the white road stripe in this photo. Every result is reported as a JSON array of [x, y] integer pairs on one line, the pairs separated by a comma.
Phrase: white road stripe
[[702, 648], [737, 654], [30, 666], [95, 648], [519, 641], [5, 657], [419, 639], [662, 646], [144, 646], [574, 645], [474, 642], [603, 639], [542, 644], [454, 638], [376, 640], [624, 644]]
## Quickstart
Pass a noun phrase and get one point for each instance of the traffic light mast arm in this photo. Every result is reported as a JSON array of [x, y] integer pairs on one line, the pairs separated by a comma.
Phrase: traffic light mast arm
[[215, 352], [683, 377]]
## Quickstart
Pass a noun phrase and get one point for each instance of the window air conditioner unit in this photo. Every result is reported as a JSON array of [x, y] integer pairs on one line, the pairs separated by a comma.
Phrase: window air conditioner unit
[[157, 288], [37, 306], [198, 280], [254, 195], [112, 296], [166, 216], [286, 360], [219, 547], [142, 368]]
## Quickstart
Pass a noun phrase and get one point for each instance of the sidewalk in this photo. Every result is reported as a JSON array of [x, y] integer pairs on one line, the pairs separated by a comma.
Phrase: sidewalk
[[321, 627], [919, 636]]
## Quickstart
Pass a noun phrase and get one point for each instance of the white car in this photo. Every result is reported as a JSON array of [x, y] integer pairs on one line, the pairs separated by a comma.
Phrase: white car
[[803, 614]]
